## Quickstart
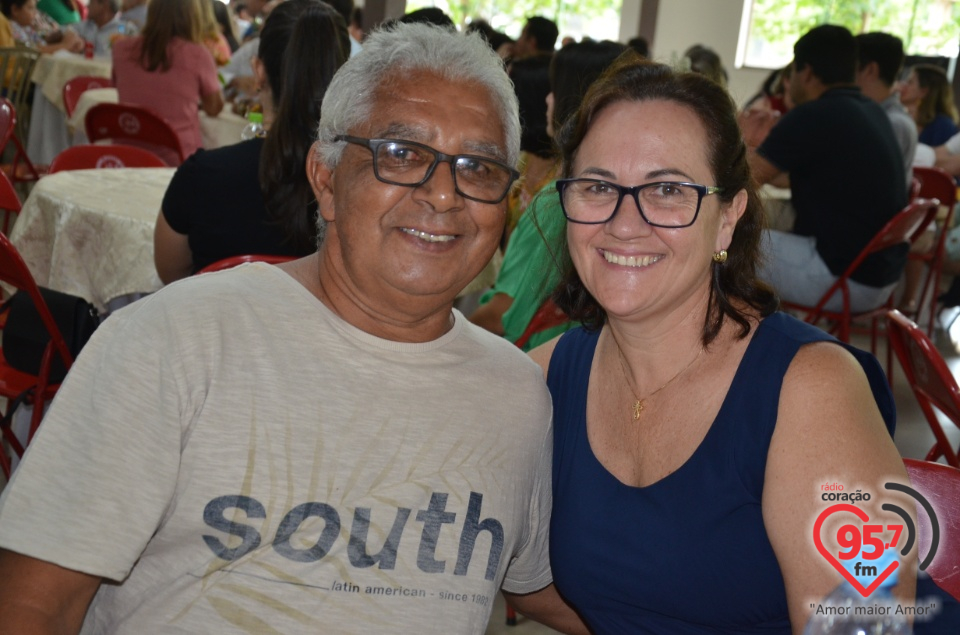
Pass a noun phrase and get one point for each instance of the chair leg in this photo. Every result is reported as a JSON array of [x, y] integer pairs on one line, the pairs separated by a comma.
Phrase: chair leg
[[511, 616]]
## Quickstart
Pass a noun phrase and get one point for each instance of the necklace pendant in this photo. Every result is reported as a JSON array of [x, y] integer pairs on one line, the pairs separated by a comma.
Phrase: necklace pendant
[[637, 409]]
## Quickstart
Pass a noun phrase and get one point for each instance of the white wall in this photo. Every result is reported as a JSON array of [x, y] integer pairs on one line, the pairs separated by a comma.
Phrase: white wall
[[713, 23]]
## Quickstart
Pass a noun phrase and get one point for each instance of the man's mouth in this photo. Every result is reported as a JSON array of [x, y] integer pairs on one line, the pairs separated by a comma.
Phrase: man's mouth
[[430, 238], [629, 261]]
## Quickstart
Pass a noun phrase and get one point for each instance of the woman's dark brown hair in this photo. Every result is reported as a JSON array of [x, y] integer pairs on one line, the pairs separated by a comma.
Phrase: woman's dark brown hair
[[735, 290], [302, 44]]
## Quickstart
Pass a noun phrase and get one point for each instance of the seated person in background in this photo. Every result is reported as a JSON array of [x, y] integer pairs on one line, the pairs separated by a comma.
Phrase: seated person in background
[[694, 425], [833, 131], [23, 17], [254, 197], [104, 25], [880, 60], [948, 155], [168, 69], [773, 91], [928, 96], [213, 37], [705, 61], [6, 33], [134, 11], [321, 447], [63, 12], [530, 271], [531, 81], [222, 15]]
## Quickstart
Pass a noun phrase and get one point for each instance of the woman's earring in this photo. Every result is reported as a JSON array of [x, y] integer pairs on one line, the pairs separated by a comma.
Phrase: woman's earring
[[720, 257]]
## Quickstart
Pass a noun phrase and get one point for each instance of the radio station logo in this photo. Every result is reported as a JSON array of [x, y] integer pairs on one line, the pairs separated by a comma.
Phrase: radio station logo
[[860, 543]]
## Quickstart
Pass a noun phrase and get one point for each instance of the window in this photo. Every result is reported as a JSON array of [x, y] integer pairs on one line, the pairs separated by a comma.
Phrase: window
[[770, 27], [598, 19]]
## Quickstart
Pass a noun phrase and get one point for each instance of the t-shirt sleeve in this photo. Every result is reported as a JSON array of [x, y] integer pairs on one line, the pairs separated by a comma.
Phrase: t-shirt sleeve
[[792, 142], [181, 195], [206, 70], [953, 144], [529, 569], [99, 476], [538, 271]]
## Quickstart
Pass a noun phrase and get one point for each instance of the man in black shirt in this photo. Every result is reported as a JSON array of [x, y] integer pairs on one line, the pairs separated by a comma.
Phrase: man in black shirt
[[845, 172]]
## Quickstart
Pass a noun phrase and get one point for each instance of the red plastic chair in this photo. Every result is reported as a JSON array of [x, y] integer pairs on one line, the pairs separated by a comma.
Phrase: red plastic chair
[[90, 157], [22, 169], [934, 183], [233, 261], [908, 225], [930, 379], [14, 383], [133, 125], [940, 485], [77, 86]]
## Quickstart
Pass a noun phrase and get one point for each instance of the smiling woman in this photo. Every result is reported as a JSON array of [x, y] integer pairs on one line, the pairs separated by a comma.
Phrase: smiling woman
[[686, 408]]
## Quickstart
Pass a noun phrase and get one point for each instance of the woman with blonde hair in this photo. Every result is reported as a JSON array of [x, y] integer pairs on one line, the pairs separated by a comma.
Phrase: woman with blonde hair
[[214, 38], [928, 96], [168, 69]]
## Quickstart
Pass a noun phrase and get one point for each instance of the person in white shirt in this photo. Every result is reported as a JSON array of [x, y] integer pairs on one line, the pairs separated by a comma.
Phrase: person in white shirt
[[134, 11], [103, 25], [326, 446]]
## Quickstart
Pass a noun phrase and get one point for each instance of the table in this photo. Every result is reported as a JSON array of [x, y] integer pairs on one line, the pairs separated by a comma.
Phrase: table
[[48, 135], [90, 232], [216, 132], [779, 210]]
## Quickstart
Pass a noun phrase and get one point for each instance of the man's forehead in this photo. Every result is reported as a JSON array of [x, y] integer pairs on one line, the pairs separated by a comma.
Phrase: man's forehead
[[386, 121]]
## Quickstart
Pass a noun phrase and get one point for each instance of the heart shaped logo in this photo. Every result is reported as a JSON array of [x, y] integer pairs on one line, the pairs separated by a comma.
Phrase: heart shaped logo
[[862, 515]]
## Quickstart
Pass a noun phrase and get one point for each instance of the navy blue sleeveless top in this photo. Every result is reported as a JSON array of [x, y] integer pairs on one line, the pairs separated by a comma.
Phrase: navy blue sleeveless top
[[689, 553]]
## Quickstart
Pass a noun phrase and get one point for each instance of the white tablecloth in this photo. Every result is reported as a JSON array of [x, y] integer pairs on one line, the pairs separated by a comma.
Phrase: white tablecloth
[[90, 232], [48, 135]]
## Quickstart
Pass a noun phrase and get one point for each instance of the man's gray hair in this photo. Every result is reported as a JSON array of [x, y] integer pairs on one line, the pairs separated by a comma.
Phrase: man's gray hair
[[392, 53]]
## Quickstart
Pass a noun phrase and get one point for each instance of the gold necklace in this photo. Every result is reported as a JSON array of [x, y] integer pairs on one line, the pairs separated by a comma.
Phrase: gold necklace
[[639, 403]]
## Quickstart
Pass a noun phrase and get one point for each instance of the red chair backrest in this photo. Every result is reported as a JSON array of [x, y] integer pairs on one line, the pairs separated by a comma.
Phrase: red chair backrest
[[133, 125], [940, 485], [929, 377], [77, 86], [14, 271], [936, 183], [9, 200], [89, 157], [233, 261]]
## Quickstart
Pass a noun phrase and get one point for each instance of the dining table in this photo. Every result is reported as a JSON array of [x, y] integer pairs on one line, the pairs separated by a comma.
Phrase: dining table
[[50, 130], [215, 132], [47, 134], [90, 233]]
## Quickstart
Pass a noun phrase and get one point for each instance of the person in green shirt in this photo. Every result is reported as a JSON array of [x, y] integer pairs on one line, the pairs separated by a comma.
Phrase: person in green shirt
[[531, 266], [63, 12]]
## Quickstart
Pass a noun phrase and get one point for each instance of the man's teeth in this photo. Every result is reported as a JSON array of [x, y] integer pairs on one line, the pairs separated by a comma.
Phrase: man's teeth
[[430, 238], [629, 261]]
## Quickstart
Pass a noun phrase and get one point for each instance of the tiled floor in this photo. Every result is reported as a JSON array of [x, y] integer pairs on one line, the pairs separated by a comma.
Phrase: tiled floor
[[913, 439]]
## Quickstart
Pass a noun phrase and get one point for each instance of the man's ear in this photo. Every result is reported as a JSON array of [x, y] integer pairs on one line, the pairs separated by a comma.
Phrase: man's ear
[[321, 181]]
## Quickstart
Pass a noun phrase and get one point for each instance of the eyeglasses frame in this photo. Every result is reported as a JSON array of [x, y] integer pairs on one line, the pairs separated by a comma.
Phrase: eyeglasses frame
[[374, 144], [623, 190]]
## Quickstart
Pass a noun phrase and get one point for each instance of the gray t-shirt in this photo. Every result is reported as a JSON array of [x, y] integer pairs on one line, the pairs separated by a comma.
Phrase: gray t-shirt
[[904, 129], [239, 460]]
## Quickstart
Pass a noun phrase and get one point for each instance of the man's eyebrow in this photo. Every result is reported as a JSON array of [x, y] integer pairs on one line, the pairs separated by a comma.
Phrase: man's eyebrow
[[403, 131], [486, 148]]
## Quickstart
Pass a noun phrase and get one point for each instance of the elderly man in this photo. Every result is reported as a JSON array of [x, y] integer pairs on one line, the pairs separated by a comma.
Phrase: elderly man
[[322, 447], [103, 25]]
